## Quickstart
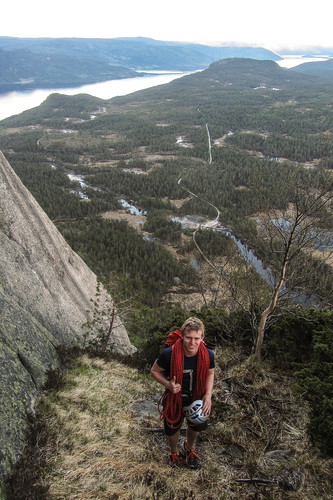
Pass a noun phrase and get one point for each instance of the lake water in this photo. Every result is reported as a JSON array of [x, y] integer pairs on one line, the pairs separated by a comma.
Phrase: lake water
[[13, 103], [295, 60]]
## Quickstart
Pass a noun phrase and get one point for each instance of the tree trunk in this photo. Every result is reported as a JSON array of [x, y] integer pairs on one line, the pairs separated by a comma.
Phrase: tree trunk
[[110, 329], [268, 311]]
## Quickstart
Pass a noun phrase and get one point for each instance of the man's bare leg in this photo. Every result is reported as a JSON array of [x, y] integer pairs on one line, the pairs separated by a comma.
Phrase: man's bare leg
[[191, 437], [173, 442]]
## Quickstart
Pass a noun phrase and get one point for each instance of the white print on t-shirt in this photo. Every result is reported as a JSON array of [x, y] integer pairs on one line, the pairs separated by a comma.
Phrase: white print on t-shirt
[[189, 374]]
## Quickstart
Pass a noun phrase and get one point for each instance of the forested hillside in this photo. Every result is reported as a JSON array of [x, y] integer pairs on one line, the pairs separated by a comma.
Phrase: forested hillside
[[264, 122], [22, 69], [219, 149], [42, 62], [322, 69]]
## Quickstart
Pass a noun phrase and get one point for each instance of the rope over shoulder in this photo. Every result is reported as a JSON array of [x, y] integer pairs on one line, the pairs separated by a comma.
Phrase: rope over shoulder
[[170, 405]]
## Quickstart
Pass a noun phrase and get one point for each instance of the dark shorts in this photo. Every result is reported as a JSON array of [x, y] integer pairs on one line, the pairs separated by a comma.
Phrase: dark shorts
[[170, 431]]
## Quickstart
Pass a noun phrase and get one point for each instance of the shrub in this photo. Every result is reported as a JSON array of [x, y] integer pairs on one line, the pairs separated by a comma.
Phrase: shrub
[[315, 382]]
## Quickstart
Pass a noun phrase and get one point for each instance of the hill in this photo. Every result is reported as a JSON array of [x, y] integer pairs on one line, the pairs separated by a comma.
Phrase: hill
[[31, 63], [22, 68], [322, 69]]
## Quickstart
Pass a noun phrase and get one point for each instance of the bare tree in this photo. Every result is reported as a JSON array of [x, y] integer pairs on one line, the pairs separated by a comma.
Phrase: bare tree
[[108, 316], [294, 236]]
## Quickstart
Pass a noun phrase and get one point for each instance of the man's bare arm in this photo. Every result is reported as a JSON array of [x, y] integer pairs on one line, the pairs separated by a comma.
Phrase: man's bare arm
[[159, 374], [207, 397]]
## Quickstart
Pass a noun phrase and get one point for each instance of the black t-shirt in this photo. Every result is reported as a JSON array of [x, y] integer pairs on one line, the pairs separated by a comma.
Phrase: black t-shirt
[[189, 373]]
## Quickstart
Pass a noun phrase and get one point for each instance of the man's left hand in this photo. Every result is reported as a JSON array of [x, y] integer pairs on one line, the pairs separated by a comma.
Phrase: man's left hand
[[207, 404]]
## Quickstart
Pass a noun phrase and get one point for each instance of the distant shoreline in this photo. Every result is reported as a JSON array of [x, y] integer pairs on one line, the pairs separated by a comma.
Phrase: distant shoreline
[[290, 61], [17, 100], [6, 88]]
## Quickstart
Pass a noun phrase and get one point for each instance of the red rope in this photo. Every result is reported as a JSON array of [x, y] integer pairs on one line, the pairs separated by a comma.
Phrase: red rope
[[170, 405]]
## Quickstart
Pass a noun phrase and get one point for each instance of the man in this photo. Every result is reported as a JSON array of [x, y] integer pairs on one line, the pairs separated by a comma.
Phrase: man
[[186, 370]]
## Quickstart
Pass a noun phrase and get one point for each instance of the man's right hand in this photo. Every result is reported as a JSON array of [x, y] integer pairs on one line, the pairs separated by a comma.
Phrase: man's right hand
[[174, 387]]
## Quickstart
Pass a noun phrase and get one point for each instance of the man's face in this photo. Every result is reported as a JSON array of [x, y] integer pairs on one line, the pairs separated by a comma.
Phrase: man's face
[[191, 341]]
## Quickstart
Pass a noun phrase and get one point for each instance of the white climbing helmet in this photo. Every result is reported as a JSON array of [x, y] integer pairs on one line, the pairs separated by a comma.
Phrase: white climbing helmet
[[194, 413]]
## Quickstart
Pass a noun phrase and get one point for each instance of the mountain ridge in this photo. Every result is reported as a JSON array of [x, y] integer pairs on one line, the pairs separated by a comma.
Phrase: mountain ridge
[[67, 61]]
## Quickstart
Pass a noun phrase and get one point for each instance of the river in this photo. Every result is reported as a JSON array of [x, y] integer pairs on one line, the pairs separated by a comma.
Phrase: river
[[13, 103]]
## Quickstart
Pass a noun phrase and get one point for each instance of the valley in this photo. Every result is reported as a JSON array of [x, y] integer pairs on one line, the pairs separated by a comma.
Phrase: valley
[[225, 136], [209, 196]]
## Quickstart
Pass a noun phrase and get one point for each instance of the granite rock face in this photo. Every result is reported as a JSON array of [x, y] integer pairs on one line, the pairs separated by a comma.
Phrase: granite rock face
[[46, 295]]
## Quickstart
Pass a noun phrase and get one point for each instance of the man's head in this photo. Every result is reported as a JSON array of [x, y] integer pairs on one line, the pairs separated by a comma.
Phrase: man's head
[[193, 331], [193, 323]]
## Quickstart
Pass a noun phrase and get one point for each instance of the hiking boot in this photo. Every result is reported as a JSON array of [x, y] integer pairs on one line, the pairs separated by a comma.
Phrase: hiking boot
[[192, 459], [174, 460]]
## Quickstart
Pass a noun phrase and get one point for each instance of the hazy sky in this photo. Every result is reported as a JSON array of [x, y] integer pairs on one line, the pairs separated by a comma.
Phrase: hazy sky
[[263, 22]]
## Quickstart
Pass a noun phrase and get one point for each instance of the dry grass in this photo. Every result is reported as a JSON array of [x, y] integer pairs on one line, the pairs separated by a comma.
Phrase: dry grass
[[100, 449]]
